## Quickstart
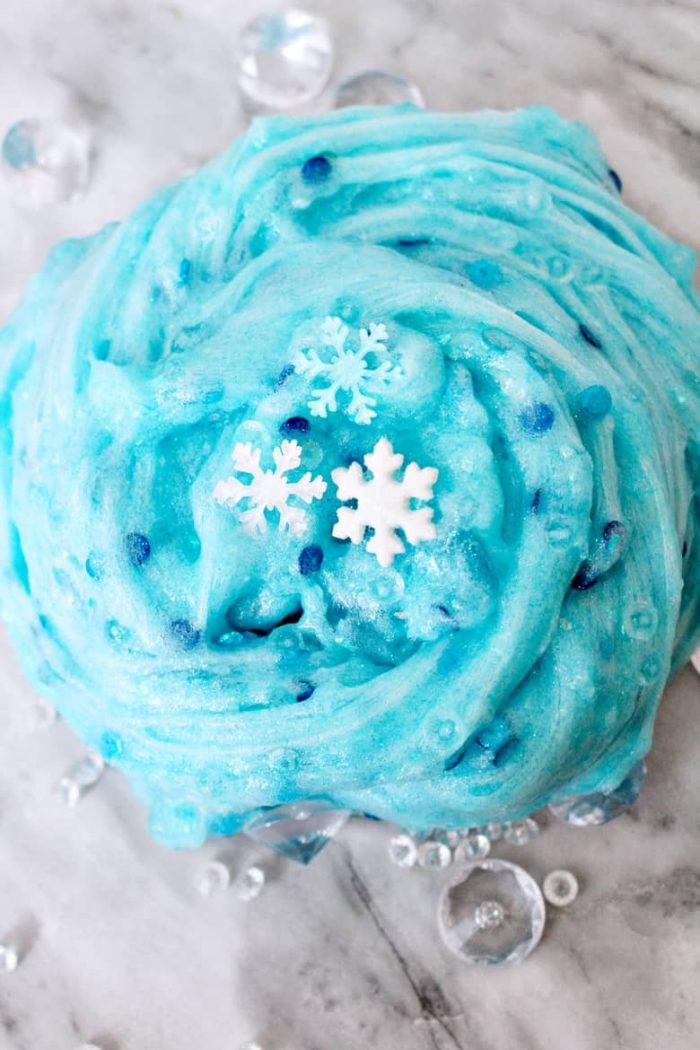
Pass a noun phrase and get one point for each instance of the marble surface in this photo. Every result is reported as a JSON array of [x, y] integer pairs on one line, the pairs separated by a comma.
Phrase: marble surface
[[344, 955]]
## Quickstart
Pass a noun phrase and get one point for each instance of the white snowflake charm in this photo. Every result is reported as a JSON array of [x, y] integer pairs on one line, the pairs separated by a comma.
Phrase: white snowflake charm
[[346, 370], [383, 503], [270, 489]]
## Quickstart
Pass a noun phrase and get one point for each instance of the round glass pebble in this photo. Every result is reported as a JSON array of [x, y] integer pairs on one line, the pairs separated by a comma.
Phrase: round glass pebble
[[377, 88], [560, 888], [599, 808], [432, 854], [284, 59], [249, 884], [403, 851], [492, 914], [46, 162], [472, 846], [520, 832], [213, 878], [9, 958], [493, 831]]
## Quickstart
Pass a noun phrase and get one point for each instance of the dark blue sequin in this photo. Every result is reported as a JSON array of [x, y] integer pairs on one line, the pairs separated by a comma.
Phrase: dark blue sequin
[[536, 500], [284, 375], [585, 578], [418, 243], [310, 559], [316, 169], [307, 691], [616, 180], [185, 633], [138, 548], [537, 418], [295, 425], [614, 529], [590, 337]]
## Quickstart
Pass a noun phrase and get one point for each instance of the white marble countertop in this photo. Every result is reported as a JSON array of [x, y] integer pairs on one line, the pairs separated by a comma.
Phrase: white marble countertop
[[343, 955]]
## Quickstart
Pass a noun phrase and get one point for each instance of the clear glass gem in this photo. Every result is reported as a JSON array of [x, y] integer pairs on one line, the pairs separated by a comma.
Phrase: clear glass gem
[[473, 845], [520, 832], [249, 1046], [46, 161], [377, 88], [284, 59], [298, 831], [249, 884], [432, 854], [403, 851], [450, 836], [9, 958], [560, 888], [214, 877], [493, 831], [80, 778], [492, 914], [42, 716], [598, 808]]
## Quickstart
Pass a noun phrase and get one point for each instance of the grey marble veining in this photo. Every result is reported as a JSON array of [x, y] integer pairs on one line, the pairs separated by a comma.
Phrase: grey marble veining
[[344, 955]]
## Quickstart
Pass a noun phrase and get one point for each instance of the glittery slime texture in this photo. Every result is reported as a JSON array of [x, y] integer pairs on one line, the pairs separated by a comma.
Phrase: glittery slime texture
[[499, 319]]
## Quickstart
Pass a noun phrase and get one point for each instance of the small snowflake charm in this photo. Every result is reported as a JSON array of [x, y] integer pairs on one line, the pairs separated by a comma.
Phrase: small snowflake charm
[[270, 489], [383, 503], [347, 371]]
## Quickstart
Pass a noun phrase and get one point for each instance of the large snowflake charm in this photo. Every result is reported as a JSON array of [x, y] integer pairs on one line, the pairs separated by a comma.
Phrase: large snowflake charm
[[383, 503], [270, 490], [355, 373]]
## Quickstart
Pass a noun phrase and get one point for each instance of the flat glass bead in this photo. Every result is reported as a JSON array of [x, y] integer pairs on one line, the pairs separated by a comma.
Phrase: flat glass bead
[[214, 877], [80, 778], [46, 162], [403, 851], [298, 831], [283, 59], [377, 88], [9, 958], [432, 854], [560, 888], [520, 832], [249, 884], [472, 846], [493, 913], [598, 808]]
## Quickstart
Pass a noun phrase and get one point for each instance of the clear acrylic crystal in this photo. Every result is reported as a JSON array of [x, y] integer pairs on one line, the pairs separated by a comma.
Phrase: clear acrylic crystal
[[560, 888], [9, 958], [249, 1046], [403, 851], [432, 854], [450, 836], [377, 88], [492, 914], [284, 59], [298, 831], [214, 877], [46, 161], [80, 778], [473, 845], [42, 716], [88, 1046], [249, 884], [597, 808], [520, 832]]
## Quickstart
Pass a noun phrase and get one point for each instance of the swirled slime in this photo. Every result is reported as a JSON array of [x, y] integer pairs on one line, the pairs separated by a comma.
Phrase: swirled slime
[[362, 465]]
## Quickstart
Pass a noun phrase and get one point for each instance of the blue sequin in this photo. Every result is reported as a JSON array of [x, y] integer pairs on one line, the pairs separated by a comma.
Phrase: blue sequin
[[138, 548], [595, 401], [310, 559], [185, 633], [295, 425], [316, 169], [484, 273], [284, 375], [616, 180], [590, 337], [307, 691], [537, 419]]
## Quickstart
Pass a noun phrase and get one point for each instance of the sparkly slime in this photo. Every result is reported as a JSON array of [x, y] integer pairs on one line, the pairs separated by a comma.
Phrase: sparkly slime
[[359, 467]]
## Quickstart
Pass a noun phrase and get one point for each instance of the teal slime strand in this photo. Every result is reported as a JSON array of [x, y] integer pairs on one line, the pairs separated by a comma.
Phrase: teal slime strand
[[500, 317]]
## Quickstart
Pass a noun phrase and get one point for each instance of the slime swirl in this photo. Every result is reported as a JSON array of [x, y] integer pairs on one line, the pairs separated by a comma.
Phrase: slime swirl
[[362, 465]]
